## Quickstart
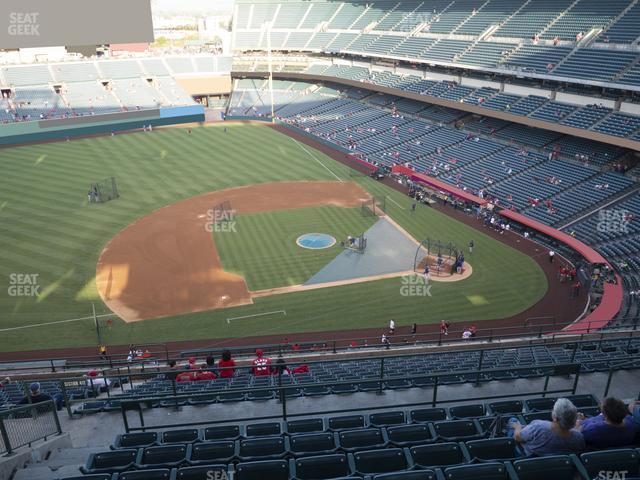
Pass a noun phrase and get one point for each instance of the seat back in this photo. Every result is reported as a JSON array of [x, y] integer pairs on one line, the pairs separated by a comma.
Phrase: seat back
[[113, 459], [213, 452], [364, 437], [160, 474], [263, 429], [414, 475], [350, 421], [263, 470], [428, 415], [581, 401], [492, 449], [163, 455], [467, 411], [180, 436], [437, 454], [136, 440], [262, 447], [508, 407], [201, 473], [456, 430], [321, 467], [312, 442], [380, 461], [387, 418], [558, 467], [483, 471], [624, 459], [305, 426], [539, 404], [226, 432], [405, 434]]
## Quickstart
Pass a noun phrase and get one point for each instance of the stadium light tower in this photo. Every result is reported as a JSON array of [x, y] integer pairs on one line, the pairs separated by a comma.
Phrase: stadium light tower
[[268, 26]]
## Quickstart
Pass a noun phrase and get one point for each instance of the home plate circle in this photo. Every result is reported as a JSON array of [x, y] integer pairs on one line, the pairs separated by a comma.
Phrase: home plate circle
[[315, 241]]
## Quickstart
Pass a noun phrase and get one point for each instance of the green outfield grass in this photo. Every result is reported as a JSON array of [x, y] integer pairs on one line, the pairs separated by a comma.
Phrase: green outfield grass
[[264, 251], [48, 229]]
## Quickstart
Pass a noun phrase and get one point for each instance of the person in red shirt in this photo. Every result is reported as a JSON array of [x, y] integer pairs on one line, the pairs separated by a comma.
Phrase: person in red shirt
[[204, 375], [187, 377], [261, 364], [226, 364], [192, 363]]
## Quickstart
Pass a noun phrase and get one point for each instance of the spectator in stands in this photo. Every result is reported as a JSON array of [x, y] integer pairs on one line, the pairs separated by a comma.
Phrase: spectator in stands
[[226, 365], [444, 328], [280, 368], [261, 364], [4, 382], [385, 341], [556, 437], [188, 376], [634, 410], [204, 375], [173, 371], [192, 363], [614, 427], [35, 396], [96, 383], [575, 289]]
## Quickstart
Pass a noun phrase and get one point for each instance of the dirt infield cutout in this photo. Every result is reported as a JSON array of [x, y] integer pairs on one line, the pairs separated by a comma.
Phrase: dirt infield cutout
[[166, 263]]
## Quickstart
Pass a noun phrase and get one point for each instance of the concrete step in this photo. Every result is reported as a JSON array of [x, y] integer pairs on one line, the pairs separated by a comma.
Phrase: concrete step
[[45, 473]]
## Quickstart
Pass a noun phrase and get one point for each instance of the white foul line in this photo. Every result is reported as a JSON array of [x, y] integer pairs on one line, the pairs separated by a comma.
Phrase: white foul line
[[314, 157], [53, 323], [392, 200], [284, 312]]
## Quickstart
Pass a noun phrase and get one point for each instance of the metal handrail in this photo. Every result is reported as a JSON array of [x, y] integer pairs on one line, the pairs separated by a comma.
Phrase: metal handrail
[[16, 433], [549, 331], [552, 370]]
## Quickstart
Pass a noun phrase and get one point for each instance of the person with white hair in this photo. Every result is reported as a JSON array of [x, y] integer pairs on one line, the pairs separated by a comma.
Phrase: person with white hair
[[555, 437]]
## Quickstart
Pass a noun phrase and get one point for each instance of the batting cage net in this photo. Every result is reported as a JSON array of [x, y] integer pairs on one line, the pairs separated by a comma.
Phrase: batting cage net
[[375, 206], [103, 191]]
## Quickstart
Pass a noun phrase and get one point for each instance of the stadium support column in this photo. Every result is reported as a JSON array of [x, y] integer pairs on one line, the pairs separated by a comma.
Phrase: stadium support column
[[268, 25]]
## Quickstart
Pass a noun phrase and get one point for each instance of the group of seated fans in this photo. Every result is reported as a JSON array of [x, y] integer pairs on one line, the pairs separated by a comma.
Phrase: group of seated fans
[[568, 431], [225, 368]]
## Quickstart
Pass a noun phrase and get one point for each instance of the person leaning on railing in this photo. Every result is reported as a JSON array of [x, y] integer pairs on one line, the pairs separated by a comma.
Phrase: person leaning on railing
[[36, 396]]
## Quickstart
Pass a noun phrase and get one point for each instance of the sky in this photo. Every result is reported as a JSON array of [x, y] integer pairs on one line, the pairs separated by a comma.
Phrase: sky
[[191, 7]]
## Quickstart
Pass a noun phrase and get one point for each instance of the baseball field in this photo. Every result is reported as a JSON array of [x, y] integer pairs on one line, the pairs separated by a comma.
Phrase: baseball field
[[140, 261]]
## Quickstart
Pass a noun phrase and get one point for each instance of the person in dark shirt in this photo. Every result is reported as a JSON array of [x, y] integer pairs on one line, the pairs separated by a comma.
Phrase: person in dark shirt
[[35, 396], [614, 427]]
